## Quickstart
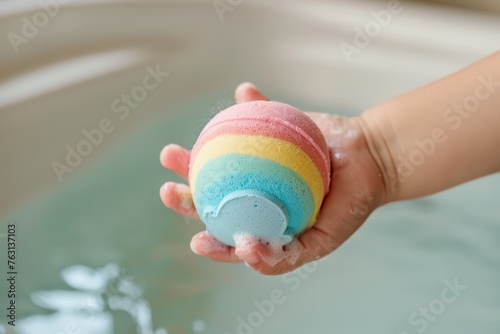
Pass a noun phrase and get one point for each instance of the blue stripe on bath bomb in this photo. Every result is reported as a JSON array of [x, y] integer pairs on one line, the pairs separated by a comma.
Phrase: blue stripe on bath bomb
[[232, 172]]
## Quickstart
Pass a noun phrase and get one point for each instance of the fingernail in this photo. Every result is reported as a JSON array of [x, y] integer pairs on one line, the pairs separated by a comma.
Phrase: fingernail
[[193, 248]]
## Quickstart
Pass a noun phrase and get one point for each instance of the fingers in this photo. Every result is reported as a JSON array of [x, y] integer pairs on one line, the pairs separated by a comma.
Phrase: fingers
[[311, 246], [176, 158], [340, 215], [177, 197], [249, 250], [246, 92], [350, 201], [265, 259], [205, 244], [338, 221]]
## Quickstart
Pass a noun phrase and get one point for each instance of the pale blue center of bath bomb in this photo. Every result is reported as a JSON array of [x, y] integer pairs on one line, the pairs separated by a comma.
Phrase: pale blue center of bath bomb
[[247, 212]]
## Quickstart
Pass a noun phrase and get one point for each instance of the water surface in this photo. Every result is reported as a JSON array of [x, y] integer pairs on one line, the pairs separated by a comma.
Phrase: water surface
[[100, 254]]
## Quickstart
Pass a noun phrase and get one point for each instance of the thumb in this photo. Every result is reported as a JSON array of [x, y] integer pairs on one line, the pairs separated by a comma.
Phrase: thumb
[[246, 92]]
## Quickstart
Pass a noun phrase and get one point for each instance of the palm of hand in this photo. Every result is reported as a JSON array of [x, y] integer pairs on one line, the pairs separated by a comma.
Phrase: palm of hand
[[356, 189]]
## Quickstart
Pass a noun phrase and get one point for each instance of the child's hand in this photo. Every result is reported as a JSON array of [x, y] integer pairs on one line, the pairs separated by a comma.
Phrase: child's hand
[[419, 143], [356, 189]]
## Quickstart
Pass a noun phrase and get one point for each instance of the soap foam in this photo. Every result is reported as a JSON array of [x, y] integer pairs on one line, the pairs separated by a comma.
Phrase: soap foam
[[211, 245], [245, 242], [278, 249], [340, 159]]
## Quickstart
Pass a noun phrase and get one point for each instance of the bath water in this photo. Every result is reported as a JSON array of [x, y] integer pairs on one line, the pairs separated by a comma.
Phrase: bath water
[[99, 254]]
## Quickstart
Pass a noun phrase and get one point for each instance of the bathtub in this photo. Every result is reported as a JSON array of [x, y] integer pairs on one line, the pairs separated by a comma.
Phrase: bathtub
[[90, 91]]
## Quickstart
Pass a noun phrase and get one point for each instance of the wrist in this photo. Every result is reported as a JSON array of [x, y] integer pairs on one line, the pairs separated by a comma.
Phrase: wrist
[[382, 144]]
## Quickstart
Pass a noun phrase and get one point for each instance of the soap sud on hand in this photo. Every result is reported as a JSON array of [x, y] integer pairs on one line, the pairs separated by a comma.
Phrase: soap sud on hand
[[277, 250]]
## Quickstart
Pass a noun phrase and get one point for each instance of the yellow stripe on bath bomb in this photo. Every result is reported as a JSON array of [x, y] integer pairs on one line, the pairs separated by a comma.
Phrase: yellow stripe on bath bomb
[[277, 150]]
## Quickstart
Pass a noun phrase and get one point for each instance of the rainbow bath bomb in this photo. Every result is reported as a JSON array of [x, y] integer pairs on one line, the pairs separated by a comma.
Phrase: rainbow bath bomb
[[259, 168]]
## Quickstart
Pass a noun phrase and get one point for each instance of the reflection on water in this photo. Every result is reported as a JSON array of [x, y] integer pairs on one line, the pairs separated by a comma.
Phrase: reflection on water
[[76, 239], [87, 308], [198, 326]]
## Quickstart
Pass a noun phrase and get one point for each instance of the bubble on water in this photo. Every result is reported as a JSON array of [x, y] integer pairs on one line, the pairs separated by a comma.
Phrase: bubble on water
[[199, 326]]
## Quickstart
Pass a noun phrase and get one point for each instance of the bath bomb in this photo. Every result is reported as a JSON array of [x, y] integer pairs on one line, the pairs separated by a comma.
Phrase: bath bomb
[[259, 169]]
